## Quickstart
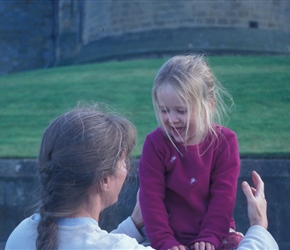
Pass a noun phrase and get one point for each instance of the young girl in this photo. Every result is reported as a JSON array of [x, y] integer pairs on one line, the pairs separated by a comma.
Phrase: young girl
[[189, 165]]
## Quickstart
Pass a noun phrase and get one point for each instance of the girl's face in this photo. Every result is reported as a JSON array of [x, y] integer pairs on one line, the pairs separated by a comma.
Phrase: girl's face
[[175, 117]]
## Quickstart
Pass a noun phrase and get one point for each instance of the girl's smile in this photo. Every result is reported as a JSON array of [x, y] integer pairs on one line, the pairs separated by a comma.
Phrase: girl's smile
[[178, 131]]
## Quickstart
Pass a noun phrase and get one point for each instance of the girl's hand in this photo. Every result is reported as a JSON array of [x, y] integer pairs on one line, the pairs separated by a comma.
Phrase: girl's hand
[[180, 247], [202, 246]]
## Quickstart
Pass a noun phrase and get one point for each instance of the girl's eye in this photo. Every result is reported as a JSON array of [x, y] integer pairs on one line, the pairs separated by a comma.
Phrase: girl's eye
[[163, 110], [181, 111]]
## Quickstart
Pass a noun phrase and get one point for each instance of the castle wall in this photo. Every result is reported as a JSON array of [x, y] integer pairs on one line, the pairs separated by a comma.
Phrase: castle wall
[[122, 29], [25, 35], [45, 33], [110, 18]]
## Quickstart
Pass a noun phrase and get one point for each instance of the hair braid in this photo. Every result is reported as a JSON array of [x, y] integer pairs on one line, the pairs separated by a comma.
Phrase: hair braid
[[47, 227], [47, 231]]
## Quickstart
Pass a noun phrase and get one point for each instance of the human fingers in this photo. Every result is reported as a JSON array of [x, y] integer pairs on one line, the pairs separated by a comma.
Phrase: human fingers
[[136, 214], [199, 245], [253, 190], [195, 246], [180, 247], [256, 202], [247, 191], [209, 246], [258, 184]]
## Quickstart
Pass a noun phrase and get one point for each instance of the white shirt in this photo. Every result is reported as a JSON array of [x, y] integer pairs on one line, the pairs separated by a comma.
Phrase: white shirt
[[78, 233], [85, 233], [258, 238]]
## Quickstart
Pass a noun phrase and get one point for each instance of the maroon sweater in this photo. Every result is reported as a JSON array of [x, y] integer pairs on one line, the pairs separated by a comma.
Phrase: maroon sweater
[[188, 197]]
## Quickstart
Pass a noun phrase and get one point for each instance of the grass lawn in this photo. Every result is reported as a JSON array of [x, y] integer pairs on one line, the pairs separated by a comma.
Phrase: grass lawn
[[260, 87]]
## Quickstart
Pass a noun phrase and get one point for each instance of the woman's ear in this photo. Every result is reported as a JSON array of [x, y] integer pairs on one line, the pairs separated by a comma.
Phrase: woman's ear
[[105, 184]]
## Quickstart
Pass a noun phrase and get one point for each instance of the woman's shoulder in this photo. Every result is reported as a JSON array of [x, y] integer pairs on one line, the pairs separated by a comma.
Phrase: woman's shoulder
[[27, 223], [24, 235]]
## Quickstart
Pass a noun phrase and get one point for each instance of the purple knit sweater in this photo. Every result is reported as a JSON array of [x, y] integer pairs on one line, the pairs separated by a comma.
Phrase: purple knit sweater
[[188, 197]]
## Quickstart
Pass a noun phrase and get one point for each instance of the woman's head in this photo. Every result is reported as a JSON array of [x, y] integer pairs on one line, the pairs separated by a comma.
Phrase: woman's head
[[187, 98], [78, 150]]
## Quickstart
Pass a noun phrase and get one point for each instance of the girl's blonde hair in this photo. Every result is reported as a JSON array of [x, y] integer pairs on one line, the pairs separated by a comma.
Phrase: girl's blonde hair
[[78, 149], [191, 78]]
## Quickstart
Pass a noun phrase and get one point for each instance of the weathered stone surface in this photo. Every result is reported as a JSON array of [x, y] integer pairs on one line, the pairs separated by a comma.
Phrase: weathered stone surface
[[40, 34], [18, 180]]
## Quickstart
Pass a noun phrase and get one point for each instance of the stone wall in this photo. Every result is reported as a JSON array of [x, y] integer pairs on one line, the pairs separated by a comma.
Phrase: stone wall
[[25, 35], [111, 18], [45, 33], [17, 182], [122, 29]]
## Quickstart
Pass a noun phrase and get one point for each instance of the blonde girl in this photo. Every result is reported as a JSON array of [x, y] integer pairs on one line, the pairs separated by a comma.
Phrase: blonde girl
[[189, 165]]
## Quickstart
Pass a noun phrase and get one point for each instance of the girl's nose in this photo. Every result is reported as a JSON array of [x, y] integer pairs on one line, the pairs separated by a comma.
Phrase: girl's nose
[[172, 118]]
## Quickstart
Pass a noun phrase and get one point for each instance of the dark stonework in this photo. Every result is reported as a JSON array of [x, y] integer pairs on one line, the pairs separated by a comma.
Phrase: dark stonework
[[38, 34], [18, 180], [210, 41]]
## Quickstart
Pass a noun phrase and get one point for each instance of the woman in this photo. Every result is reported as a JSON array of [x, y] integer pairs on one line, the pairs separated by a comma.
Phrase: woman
[[82, 165]]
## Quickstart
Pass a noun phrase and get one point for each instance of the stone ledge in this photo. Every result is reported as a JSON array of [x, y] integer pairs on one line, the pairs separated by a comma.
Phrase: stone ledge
[[160, 42], [17, 181]]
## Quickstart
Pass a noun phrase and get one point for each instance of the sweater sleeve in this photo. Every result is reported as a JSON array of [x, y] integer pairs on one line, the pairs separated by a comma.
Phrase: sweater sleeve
[[128, 227], [223, 188], [258, 238], [152, 194]]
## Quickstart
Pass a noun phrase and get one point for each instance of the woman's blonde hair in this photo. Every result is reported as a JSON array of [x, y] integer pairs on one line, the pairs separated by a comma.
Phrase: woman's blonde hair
[[78, 149], [190, 77]]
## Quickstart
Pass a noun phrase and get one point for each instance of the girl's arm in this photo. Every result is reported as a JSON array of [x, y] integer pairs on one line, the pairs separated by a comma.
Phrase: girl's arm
[[128, 227], [223, 181], [133, 225], [152, 193]]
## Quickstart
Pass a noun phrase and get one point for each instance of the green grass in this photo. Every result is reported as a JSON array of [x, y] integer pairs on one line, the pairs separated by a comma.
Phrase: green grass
[[259, 85], [261, 90]]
